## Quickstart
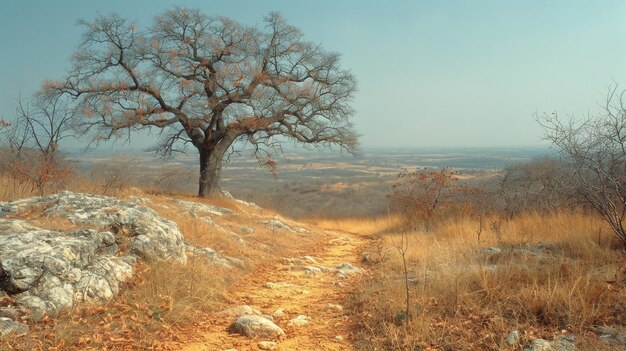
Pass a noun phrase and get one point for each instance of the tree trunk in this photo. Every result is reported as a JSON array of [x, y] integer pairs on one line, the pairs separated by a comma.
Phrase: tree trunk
[[210, 172]]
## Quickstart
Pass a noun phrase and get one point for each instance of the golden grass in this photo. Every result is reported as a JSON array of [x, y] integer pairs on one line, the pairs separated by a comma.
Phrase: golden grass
[[463, 297], [364, 226]]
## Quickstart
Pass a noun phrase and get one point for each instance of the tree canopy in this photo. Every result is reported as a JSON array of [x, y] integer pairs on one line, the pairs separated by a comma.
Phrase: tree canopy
[[209, 82]]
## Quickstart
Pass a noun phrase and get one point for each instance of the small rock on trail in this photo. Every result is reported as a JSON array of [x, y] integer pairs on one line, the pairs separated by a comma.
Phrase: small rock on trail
[[257, 326], [267, 345]]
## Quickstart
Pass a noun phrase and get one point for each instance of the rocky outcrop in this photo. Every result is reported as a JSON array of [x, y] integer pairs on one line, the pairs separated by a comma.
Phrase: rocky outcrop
[[147, 234], [48, 270], [45, 270]]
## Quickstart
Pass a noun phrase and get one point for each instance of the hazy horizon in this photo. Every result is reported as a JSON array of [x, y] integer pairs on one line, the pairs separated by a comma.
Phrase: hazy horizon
[[444, 74]]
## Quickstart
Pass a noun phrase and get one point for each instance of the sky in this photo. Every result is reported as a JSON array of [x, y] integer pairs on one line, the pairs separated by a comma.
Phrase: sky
[[430, 73]]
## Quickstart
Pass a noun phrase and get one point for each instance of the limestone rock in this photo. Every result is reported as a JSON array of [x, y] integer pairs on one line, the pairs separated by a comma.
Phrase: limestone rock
[[248, 204], [257, 326], [213, 256], [8, 327], [9, 312], [195, 208], [513, 338], [276, 224], [147, 234], [279, 313], [346, 269], [299, 321], [611, 335], [48, 270], [561, 343], [267, 345]]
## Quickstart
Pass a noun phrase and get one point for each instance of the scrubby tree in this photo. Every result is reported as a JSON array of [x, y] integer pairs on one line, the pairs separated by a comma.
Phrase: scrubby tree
[[595, 149], [33, 136], [536, 185], [420, 194], [210, 82]]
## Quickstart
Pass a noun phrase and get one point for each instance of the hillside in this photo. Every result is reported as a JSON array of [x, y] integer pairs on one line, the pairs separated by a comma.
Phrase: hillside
[[237, 259]]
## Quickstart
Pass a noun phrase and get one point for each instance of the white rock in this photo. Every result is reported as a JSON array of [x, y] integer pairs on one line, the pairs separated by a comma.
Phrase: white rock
[[48, 270], [267, 345], [257, 326], [194, 208], [299, 321], [279, 313]]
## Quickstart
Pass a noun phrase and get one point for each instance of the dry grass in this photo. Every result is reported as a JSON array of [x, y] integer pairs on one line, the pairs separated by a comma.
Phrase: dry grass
[[463, 297], [364, 226], [160, 298]]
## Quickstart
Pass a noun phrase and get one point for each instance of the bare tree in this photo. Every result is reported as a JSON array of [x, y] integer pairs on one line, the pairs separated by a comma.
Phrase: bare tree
[[33, 139], [596, 151], [210, 82]]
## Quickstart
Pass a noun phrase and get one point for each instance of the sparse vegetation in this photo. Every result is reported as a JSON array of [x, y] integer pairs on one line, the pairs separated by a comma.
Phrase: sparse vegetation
[[568, 278]]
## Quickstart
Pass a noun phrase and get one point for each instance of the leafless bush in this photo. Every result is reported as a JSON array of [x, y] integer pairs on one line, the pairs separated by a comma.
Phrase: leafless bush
[[595, 150], [536, 185], [31, 157], [420, 194]]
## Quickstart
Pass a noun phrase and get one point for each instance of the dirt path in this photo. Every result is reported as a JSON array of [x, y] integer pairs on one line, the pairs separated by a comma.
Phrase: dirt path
[[295, 289]]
